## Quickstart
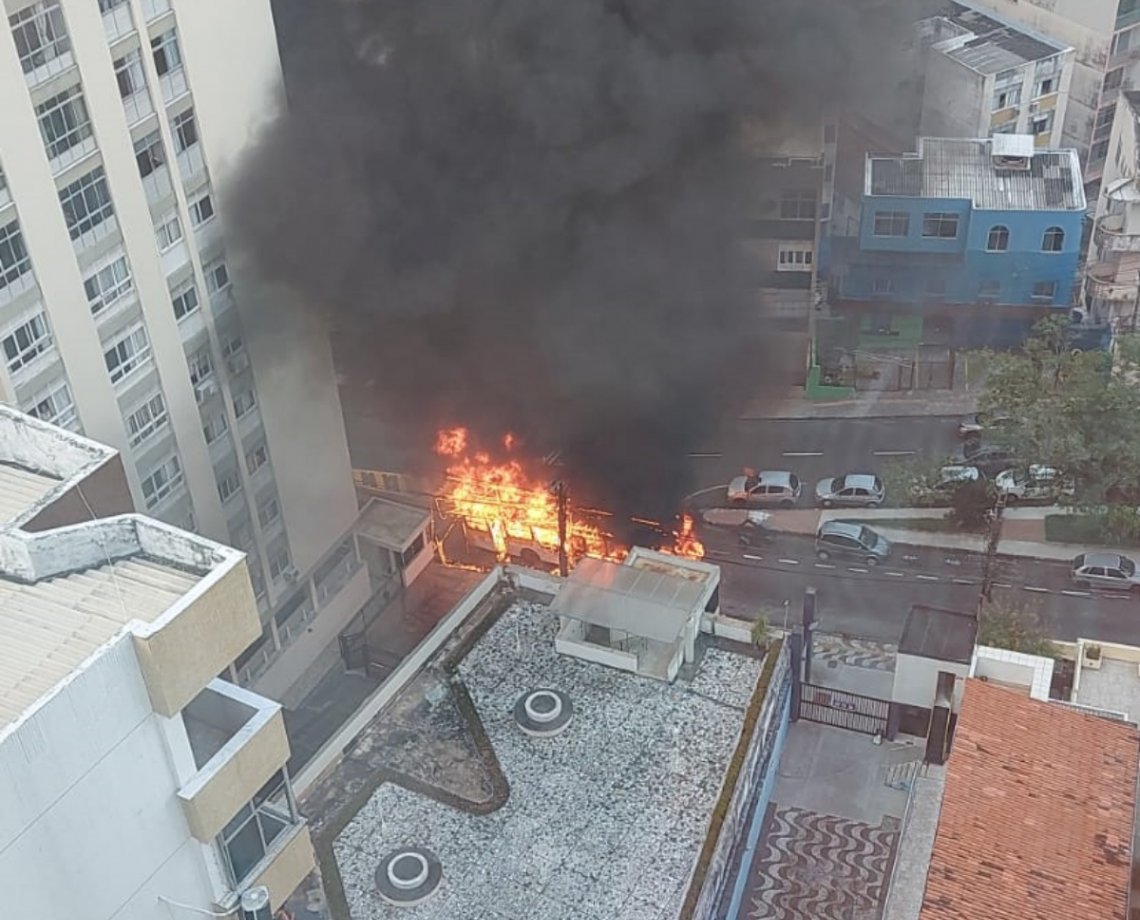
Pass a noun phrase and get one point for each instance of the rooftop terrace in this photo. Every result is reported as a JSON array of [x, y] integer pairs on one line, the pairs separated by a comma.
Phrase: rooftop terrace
[[983, 43]]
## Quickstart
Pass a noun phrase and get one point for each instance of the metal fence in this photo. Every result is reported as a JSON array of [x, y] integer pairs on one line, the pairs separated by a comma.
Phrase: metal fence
[[843, 709]]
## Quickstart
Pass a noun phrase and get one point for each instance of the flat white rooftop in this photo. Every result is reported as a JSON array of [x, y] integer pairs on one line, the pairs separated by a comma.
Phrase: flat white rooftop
[[48, 628], [21, 489]]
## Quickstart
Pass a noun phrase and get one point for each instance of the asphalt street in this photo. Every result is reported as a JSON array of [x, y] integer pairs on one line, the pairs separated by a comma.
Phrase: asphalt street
[[872, 603], [815, 448]]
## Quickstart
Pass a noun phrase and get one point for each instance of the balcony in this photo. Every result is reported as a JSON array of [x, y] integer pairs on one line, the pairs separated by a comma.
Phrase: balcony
[[239, 744], [1111, 234], [1108, 283], [117, 21]]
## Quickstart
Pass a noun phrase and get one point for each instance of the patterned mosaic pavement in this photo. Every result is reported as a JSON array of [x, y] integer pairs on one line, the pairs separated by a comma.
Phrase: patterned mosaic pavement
[[857, 653], [812, 866]]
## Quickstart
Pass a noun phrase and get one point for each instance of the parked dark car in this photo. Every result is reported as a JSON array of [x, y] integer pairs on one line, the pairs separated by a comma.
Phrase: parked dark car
[[990, 459]]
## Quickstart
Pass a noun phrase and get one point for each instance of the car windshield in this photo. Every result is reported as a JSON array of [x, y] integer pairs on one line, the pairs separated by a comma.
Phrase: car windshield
[[1021, 478], [1127, 566], [868, 537], [794, 481], [837, 483]]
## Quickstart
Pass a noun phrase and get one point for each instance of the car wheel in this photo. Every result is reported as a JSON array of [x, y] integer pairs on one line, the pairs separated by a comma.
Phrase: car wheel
[[874, 504], [827, 503], [1011, 498], [871, 561], [823, 554]]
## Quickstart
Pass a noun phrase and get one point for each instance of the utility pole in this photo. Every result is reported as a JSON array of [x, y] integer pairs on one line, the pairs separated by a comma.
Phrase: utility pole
[[561, 493], [989, 563]]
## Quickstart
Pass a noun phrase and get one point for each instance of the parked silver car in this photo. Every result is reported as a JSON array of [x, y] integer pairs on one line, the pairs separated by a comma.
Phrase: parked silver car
[[854, 490], [849, 540], [1040, 484], [1105, 570], [768, 487]]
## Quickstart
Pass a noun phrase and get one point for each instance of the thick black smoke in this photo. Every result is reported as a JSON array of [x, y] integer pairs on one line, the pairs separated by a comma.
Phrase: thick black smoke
[[528, 215]]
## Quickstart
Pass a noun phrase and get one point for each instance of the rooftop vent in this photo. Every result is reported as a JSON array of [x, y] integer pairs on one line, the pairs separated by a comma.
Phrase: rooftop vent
[[1012, 151]]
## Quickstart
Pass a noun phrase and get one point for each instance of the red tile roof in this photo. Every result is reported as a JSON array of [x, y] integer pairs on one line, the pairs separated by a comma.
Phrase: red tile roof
[[1037, 813]]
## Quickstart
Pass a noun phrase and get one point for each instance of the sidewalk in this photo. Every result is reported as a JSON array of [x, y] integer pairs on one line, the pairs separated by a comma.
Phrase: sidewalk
[[791, 403], [1023, 530]]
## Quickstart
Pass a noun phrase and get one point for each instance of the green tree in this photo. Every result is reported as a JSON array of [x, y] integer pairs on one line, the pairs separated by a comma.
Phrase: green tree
[[1013, 627], [972, 503], [906, 477], [1071, 410]]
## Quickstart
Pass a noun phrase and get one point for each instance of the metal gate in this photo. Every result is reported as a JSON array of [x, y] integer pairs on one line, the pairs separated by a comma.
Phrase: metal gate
[[354, 650], [843, 709]]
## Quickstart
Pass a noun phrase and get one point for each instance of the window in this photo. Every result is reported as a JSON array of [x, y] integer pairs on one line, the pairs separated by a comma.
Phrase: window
[[1044, 290], [55, 406], [1007, 97], [936, 287], [167, 55], [1053, 240], [1041, 124], [201, 209], [250, 834], [883, 286], [108, 283], [152, 9], [1113, 79], [1123, 41], [162, 482], [215, 427], [14, 260], [229, 485], [217, 276], [86, 203], [268, 510], [185, 131], [200, 365], [279, 562], [244, 403], [1105, 116], [26, 342], [184, 297], [794, 257], [131, 78], [127, 353], [65, 126], [5, 195], [147, 419], [149, 154], [1098, 152], [941, 225], [256, 458], [989, 290], [41, 40], [892, 223], [167, 230], [798, 205], [998, 239], [408, 556], [1045, 87]]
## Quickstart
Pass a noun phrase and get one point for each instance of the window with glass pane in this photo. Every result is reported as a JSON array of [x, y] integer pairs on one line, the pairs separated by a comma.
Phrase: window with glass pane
[[127, 353], [184, 298], [26, 342], [1053, 240], [65, 123], [892, 223], [998, 239], [185, 131], [162, 482], [109, 283], [41, 38], [14, 260], [217, 276], [131, 79], [55, 406], [167, 230], [244, 403], [215, 427], [167, 56], [149, 154], [229, 485], [201, 209], [200, 365], [86, 203], [147, 419], [940, 224]]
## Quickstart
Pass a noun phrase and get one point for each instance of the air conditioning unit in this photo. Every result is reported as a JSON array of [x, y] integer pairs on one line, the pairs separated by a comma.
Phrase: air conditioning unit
[[289, 574], [204, 391], [254, 904]]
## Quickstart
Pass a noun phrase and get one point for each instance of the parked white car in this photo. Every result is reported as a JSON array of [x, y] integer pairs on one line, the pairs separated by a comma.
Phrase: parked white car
[[1035, 483]]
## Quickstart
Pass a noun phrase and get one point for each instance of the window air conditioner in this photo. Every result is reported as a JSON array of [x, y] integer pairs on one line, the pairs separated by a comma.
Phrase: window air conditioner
[[254, 904], [204, 391]]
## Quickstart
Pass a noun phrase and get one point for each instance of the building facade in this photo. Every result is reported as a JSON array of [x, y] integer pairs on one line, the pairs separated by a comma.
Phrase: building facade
[[129, 769], [1106, 37], [982, 76], [123, 314], [979, 238], [1112, 269]]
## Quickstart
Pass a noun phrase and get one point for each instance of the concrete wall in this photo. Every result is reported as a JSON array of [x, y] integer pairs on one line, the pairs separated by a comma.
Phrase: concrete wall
[[102, 493], [916, 680], [955, 102], [90, 825]]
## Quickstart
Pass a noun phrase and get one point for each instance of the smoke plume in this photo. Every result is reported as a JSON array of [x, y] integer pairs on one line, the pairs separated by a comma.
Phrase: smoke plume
[[529, 215]]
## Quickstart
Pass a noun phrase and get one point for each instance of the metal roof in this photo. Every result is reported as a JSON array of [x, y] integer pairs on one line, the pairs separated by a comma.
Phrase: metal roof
[[983, 43], [944, 635], [964, 169], [638, 601], [392, 525], [48, 628], [21, 489]]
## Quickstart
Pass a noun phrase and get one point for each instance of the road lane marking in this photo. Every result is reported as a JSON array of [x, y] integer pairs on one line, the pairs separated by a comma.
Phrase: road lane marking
[[1039, 590], [718, 552], [700, 456], [1001, 584], [757, 558], [1076, 593], [803, 453], [963, 581], [927, 577], [855, 568], [824, 565], [895, 574], [893, 453], [789, 561]]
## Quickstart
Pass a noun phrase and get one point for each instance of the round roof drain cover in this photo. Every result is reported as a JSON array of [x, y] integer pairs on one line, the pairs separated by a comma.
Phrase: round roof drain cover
[[408, 876], [543, 713]]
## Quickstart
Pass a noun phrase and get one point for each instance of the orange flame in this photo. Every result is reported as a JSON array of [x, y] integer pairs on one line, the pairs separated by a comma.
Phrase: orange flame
[[685, 542], [514, 510]]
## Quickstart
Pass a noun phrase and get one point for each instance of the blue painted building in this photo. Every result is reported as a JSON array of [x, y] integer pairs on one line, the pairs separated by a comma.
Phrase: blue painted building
[[977, 238]]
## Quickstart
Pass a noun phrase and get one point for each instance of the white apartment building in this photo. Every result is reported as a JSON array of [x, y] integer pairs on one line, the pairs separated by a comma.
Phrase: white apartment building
[[1112, 272], [1106, 37], [982, 76], [124, 316], [134, 784]]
